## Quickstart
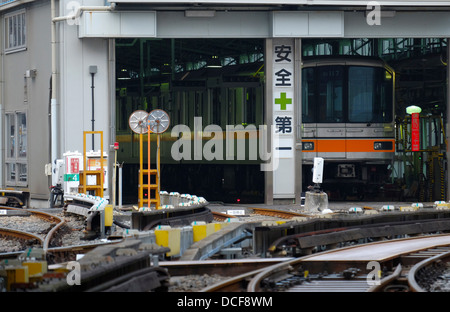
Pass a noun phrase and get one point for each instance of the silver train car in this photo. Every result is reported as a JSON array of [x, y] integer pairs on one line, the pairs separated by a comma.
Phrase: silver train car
[[348, 119]]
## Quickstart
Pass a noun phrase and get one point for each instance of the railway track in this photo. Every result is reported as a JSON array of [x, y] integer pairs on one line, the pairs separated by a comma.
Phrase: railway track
[[48, 239], [308, 273], [273, 213], [276, 213], [41, 239], [434, 269], [374, 267]]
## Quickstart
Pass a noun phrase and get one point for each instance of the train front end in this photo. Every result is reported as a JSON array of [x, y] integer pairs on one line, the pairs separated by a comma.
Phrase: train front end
[[348, 119]]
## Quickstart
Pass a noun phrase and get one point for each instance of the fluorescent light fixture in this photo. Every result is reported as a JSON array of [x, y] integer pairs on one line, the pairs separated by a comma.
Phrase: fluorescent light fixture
[[199, 13], [214, 62], [123, 75]]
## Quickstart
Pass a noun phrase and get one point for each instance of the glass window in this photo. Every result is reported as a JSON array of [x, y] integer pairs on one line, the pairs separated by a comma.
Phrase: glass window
[[22, 135], [22, 169], [330, 94], [10, 173], [15, 31], [308, 95], [369, 95], [16, 149], [250, 106], [11, 136]]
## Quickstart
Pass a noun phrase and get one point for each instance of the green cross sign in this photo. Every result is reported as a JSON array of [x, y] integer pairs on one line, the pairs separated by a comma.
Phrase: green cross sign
[[283, 101]]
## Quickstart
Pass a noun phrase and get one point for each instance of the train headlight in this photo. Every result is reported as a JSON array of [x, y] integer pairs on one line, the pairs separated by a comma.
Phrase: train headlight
[[308, 146], [382, 145]]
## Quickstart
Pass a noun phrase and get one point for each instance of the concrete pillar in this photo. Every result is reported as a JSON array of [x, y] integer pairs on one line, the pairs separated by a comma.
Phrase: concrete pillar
[[447, 127], [298, 117], [268, 175]]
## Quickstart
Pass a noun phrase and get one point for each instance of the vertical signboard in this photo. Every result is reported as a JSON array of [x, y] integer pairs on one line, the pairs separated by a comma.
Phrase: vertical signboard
[[415, 132], [283, 117]]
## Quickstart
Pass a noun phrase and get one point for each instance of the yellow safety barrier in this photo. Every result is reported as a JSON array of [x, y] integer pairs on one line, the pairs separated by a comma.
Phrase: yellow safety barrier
[[443, 206], [36, 267], [202, 230], [169, 237], [409, 208], [17, 274], [108, 215], [217, 226]]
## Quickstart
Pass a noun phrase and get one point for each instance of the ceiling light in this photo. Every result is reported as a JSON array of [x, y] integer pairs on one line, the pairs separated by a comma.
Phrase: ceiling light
[[214, 62]]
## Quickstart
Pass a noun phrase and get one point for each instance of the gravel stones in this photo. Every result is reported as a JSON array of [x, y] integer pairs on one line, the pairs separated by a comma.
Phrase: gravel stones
[[194, 283]]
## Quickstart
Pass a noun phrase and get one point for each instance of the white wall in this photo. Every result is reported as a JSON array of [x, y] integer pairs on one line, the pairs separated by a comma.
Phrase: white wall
[[35, 102], [76, 56]]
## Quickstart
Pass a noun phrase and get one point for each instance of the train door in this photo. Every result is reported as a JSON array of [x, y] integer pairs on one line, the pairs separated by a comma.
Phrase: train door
[[309, 125], [330, 113], [370, 113]]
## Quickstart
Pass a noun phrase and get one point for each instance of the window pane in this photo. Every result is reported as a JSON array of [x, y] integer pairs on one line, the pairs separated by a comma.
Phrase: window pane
[[330, 94], [308, 95], [10, 124], [24, 30], [369, 95], [10, 33], [15, 30], [11, 173], [22, 134], [23, 175], [19, 30]]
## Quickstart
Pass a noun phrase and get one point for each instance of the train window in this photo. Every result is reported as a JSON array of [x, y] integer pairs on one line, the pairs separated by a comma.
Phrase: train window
[[369, 95], [216, 106], [250, 106], [330, 94], [308, 95]]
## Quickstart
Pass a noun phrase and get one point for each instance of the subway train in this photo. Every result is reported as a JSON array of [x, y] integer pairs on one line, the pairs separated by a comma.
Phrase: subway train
[[347, 118]]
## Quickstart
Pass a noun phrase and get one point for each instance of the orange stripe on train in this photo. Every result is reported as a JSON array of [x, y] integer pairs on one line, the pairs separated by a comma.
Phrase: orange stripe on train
[[347, 145]]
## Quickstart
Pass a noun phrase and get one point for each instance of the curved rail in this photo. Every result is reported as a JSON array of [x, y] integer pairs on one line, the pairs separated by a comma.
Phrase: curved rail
[[219, 216], [349, 257], [362, 231], [413, 284], [68, 253], [387, 280], [233, 284], [20, 235], [42, 215], [277, 213]]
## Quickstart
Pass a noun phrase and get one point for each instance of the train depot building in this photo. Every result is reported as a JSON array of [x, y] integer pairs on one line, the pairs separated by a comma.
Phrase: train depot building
[[254, 90]]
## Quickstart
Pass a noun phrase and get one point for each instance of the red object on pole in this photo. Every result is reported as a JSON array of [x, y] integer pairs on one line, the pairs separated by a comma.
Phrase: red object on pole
[[116, 145], [415, 132]]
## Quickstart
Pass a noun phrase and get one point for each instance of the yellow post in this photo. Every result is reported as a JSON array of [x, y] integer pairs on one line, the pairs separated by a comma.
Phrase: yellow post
[[149, 172], [141, 172], [158, 189], [148, 169], [97, 188]]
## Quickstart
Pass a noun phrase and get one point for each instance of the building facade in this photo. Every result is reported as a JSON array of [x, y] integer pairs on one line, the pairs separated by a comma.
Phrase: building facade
[[74, 66]]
